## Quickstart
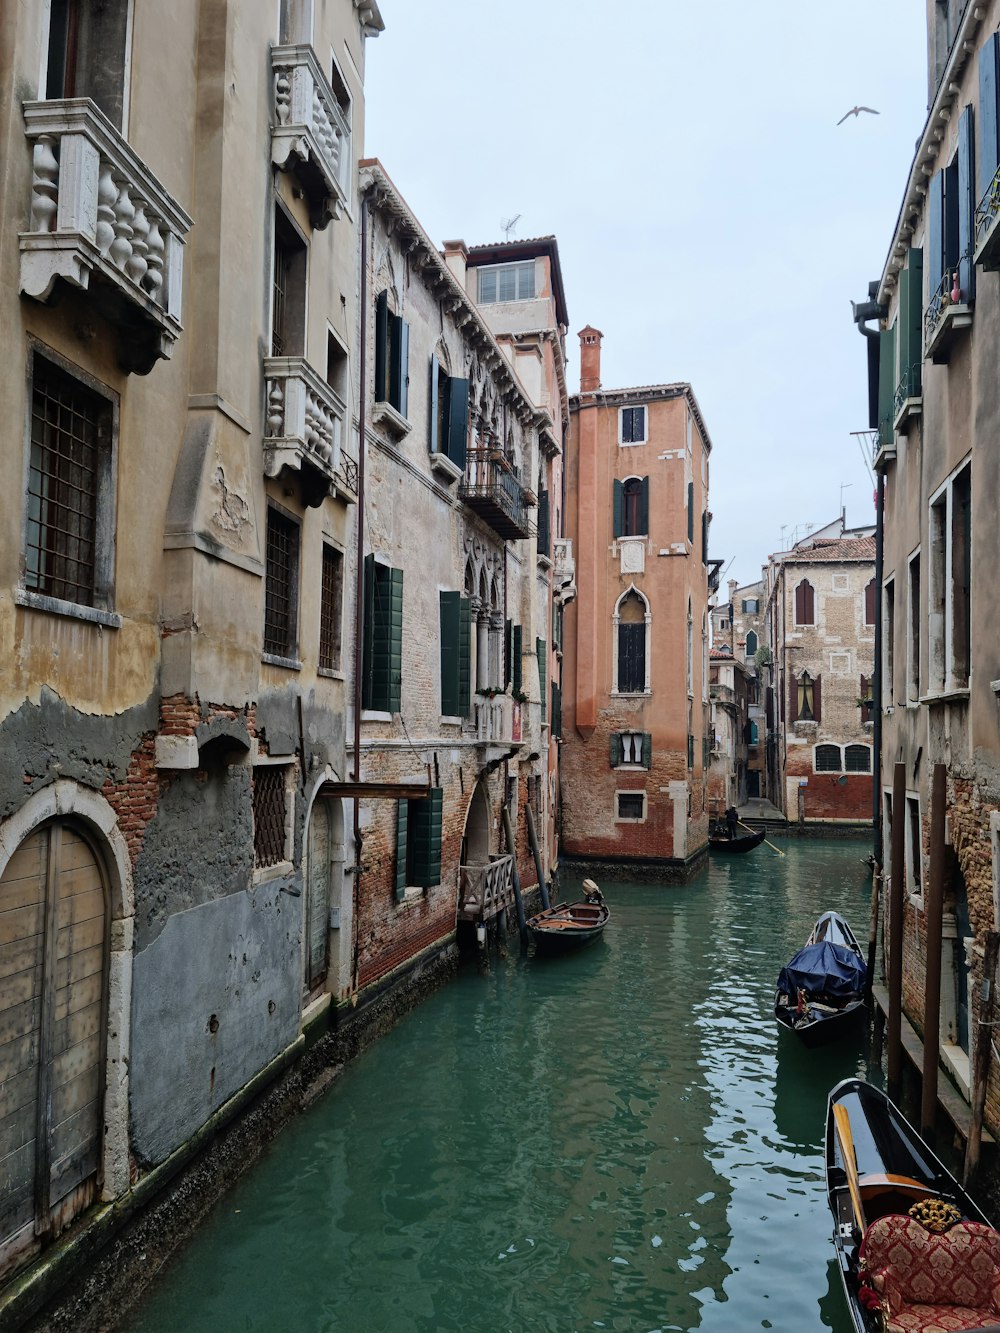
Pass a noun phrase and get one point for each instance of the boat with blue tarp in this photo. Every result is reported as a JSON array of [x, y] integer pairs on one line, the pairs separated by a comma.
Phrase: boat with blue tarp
[[821, 990]]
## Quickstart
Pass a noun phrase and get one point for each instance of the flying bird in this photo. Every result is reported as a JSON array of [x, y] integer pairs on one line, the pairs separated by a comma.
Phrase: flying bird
[[856, 111]]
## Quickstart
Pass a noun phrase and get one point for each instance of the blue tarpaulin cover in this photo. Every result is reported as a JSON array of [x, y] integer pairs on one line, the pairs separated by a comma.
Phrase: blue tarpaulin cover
[[829, 968]]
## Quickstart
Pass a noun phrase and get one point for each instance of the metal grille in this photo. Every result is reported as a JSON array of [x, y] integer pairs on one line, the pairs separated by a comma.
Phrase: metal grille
[[330, 608], [630, 805], [62, 485], [269, 814], [281, 267], [280, 584]]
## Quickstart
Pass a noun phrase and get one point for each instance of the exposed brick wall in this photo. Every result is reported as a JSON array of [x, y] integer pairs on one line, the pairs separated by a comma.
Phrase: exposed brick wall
[[830, 796]]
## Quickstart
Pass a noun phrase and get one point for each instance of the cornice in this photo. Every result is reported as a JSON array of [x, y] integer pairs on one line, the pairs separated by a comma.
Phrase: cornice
[[643, 393]]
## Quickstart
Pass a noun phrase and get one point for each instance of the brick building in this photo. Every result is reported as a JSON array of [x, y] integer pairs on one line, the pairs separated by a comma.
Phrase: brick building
[[635, 708], [740, 625], [731, 685]]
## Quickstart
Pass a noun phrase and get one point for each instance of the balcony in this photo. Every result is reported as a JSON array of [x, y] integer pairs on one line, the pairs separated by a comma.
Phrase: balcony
[[101, 222], [907, 402], [485, 890], [497, 720], [946, 318], [564, 572], [492, 490], [303, 427], [987, 227], [310, 134]]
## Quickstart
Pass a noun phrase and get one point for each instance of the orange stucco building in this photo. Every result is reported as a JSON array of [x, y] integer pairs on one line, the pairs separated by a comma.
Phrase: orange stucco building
[[635, 671]]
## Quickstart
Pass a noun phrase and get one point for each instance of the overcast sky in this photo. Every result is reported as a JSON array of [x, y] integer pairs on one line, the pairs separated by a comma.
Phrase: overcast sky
[[713, 219]]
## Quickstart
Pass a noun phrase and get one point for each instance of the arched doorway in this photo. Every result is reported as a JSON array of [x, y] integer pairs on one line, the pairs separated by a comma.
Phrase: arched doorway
[[476, 841], [324, 884], [54, 947]]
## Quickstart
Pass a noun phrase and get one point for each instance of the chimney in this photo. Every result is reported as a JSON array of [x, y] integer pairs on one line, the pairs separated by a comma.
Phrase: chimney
[[456, 256], [733, 585], [590, 359]]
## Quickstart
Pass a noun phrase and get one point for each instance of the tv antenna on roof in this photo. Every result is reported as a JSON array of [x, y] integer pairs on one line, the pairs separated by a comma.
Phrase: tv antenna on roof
[[508, 226]]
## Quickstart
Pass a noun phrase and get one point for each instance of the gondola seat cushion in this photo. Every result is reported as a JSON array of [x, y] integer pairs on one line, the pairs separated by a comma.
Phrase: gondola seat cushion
[[932, 1283]]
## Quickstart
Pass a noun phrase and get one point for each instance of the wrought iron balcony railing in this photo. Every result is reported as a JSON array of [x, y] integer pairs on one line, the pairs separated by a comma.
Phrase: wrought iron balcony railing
[[987, 226], [948, 312], [311, 134], [491, 488], [906, 399], [101, 221], [303, 425]]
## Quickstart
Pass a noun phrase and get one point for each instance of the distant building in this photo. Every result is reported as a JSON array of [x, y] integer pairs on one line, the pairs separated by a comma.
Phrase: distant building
[[731, 685], [635, 708], [740, 625]]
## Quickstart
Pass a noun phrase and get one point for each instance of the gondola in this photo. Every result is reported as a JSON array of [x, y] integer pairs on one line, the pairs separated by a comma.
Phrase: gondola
[[567, 926], [743, 842], [913, 1249], [821, 990]]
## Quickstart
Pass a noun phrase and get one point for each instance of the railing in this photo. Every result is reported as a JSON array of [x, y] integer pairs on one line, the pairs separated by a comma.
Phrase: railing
[[492, 488], [483, 891], [498, 720], [945, 300], [564, 572], [310, 134], [97, 209], [304, 418], [987, 212], [347, 474], [907, 388]]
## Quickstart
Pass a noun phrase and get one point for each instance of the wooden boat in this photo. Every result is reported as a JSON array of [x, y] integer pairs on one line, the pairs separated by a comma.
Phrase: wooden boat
[[743, 842], [570, 925], [821, 990], [899, 1272]]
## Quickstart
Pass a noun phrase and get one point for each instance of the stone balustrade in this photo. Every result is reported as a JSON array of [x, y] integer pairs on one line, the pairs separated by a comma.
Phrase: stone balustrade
[[303, 422], [564, 570], [98, 213], [310, 133], [497, 720]]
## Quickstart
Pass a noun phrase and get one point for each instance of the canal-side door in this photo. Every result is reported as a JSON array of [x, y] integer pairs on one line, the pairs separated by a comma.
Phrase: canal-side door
[[54, 912], [324, 886]]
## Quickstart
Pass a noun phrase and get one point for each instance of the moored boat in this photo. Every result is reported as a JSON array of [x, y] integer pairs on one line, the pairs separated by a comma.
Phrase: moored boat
[[914, 1251], [821, 990], [743, 842], [570, 925]]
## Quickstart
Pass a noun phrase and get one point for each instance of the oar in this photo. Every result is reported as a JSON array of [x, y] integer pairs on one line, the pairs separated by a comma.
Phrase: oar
[[766, 843], [842, 1124]]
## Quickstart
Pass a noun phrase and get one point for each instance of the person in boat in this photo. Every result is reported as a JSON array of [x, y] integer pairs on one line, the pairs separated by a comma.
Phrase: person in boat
[[732, 821], [592, 893]]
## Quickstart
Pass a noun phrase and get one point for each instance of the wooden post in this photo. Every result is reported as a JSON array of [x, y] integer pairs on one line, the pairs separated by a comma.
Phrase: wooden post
[[508, 833], [933, 909], [533, 840], [982, 1049], [897, 890], [872, 935]]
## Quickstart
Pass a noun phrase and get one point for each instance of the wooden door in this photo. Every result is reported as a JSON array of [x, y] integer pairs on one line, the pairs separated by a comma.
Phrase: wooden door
[[53, 970], [317, 915]]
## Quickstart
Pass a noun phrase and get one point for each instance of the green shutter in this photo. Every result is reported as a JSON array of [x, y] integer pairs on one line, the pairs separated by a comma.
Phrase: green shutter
[[886, 386], [543, 690], [690, 511], [368, 629], [508, 653], [395, 637], [402, 820], [617, 749], [966, 207], [458, 421], [381, 347], [450, 617], [644, 508], [515, 665], [647, 750], [910, 323], [464, 657], [433, 443], [403, 368], [556, 726], [619, 509], [989, 138], [543, 523], [425, 837]]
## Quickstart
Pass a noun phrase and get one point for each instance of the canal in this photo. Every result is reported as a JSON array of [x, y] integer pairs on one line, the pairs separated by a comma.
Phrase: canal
[[614, 1140]]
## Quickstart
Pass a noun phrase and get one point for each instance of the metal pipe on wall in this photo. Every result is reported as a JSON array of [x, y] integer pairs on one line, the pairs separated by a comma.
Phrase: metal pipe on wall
[[894, 1035], [360, 581], [933, 910]]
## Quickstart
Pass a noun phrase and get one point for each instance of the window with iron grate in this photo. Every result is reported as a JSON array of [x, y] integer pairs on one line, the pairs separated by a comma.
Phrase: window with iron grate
[[331, 609], [631, 805], [828, 759], [269, 814], [281, 579]]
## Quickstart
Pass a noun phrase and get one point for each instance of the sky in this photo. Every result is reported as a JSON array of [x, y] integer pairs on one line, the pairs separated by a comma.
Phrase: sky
[[713, 219]]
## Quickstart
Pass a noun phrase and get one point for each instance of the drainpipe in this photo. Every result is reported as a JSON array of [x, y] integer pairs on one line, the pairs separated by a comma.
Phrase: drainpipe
[[360, 583]]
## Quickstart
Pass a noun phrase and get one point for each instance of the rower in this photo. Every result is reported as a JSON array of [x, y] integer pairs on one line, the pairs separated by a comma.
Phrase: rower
[[592, 892]]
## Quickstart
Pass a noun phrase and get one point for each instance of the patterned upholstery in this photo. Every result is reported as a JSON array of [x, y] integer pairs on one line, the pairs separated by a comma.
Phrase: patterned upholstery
[[931, 1283]]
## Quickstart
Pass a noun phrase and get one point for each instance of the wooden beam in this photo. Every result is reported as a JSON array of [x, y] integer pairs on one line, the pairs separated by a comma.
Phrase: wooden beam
[[389, 791]]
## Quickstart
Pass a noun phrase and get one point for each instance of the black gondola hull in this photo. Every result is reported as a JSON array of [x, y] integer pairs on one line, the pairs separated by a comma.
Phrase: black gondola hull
[[733, 846]]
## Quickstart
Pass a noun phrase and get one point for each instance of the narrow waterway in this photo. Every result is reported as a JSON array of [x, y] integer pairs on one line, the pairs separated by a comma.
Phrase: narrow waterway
[[619, 1139]]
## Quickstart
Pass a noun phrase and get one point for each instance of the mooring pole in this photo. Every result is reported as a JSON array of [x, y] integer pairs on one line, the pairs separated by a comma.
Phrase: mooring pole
[[508, 834], [981, 1055], [533, 840], [897, 888], [873, 933], [933, 910]]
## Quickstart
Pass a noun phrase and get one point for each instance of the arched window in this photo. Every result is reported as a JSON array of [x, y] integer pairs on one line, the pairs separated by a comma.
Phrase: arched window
[[857, 759], [631, 507], [803, 698], [751, 644], [631, 617], [805, 604], [827, 758]]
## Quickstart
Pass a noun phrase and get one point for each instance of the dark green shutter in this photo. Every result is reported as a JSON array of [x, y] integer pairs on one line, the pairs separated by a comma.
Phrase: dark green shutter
[[464, 657], [966, 206], [647, 750], [543, 685], [458, 421], [508, 653], [935, 232], [381, 347], [556, 728], [515, 666], [690, 511], [619, 508], [886, 385], [617, 749], [368, 628], [989, 128], [402, 367], [543, 523], [644, 507], [425, 838], [911, 323], [402, 820], [433, 443], [450, 617], [395, 588]]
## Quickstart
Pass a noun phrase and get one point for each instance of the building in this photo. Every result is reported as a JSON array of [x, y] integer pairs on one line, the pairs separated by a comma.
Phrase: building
[[739, 625], [635, 706], [931, 321], [820, 615], [730, 688], [180, 304]]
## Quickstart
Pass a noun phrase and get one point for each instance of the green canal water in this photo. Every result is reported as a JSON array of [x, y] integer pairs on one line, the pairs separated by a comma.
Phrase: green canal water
[[616, 1140]]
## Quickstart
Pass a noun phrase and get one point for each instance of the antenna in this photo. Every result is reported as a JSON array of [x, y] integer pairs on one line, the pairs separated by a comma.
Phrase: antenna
[[844, 486], [508, 226]]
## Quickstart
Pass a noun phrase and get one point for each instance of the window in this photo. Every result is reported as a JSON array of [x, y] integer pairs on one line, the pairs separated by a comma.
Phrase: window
[[507, 282], [456, 639], [750, 606], [331, 609], [913, 845], [392, 356], [382, 665], [690, 510], [512, 657], [631, 806], [888, 639], [913, 611], [805, 604], [87, 54], [751, 646], [631, 507], [948, 624], [271, 815], [543, 687], [950, 222], [632, 425], [338, 365], [70, 532], [288, 288], [870, 602], [827, 759], [631, 645], [543, 522], [857, 759], [449, 415], [804, 698], [281, 585], [867, 702], [631, 747], [753, 735], [418, 842], [555, 728]]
